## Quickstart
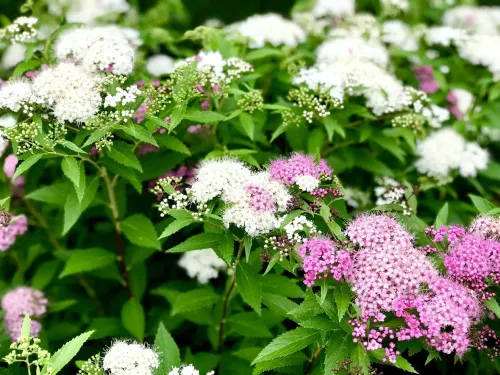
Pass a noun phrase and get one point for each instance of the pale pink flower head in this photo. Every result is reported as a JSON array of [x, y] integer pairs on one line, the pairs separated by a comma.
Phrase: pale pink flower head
[[300, 169], [486, 227], [9, 165], [8, 234], [205, 105], [260, 199], [322, 258], [21, 301], [380, 232]]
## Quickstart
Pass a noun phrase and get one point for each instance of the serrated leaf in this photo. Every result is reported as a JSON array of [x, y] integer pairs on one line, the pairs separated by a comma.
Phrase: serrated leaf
[[26, 326], [194, 300], [247, 124], [53, 194], [288, 343], [342, 299], [71, 169], [140, 231], [197, 242], [139, 133], [204, 117], [176, 226], [226, 248], [294, 360], [122, 153], [248, 324], [95, 136], [338, 348], [87, 260], [133, 318], [248, 283], [66, 353], [173, 143], [278, 304], [442, 216], [281, 285], [72, 211], [167, 349], [26, 164]]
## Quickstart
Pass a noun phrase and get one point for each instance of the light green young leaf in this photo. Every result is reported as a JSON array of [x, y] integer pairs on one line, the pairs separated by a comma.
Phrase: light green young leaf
[[140, 231], [72, 211], [87, 260], [26, 327], [167, 349], [122, 153], [197, 242], [26, 164], [492, 304], [71, 169], [45, 273], [481, 204], [133, 318], [204, 117], [66, 353], [140, 133], [288, 343], [442, 216], [248, 282], [176, 226], [53, 194], [194, 300], [247, 124]]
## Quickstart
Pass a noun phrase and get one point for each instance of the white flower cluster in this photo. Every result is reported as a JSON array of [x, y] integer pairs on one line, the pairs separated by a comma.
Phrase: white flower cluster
[[14, 94], [202, 264], [395, 6], [215, 68], [106, 48], [124, 358], [446, 150], [390, 191], [482, 50], [187, 370], [296, 226], [435, 115], [473, 19], [120, 100], [159, 65], [87, 11], [398, 34], [322, 78], [13, 55], [270, 28], [22, 30], [6, 122], [69, 91], [465, 100], [352, 47], [361, 25], [444, 36], [252, 199], [329, 8]]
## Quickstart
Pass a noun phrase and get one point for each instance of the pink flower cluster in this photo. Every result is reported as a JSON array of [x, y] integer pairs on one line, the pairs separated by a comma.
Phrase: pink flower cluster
[[9, 233], [425, 76], [486, 227], [288, 170], [17, 303], [452, 232], [260, 199], [321, 258], [453, 107], [184, 172]]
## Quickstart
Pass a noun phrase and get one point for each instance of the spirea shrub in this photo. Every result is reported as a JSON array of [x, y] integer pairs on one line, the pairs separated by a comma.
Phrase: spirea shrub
[[305, 193]]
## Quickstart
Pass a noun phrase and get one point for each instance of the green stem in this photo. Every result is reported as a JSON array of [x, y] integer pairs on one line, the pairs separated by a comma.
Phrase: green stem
[[118, 230], [313, 359], [227, 296]]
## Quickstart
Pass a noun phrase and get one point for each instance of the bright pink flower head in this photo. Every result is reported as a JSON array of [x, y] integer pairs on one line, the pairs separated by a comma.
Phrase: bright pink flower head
[[472, 260], [486, 227], [146, 148], [205, 105], [380, 232], [288, 170], [451, 232], [21, 301], [199, 129], [424, 73], [9, 233], [429, 87], [260, 199], [322, 258], [9, 165]]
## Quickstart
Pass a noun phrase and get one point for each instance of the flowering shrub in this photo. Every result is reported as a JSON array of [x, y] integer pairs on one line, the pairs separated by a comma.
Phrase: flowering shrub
[[304, 193]]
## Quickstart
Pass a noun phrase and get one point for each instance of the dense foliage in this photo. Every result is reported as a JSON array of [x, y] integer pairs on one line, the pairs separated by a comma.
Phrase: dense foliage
[[309, 194]]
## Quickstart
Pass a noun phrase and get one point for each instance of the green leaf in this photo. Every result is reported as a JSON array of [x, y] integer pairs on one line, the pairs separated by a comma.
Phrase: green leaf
[[167, 349], [140, 231], [315, 141], [87, 260], [288, 343], [26, 327], [176, 226], [281, 285], [278, 304], [173, 143], [139, 133], [197, 242], [492, 304], [247, 124], [481, 204], [44, 274], [248, 324], [53, 194], [95, 136], [177, 116], [204, 117], [26, 164], [248, 282], [342, 299], [226, 248], [72, 211], [338, 348], [401, 362], [332, 126], [295, 360], [133, 318], [66, 353], [71, 169], [122, 153], [248, 246], [194, 300], [442, 216]]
